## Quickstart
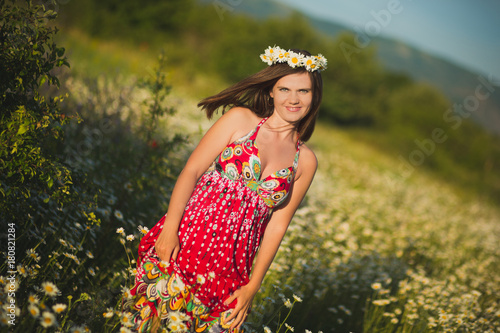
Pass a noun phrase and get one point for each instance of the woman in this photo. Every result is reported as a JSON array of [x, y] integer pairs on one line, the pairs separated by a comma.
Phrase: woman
[[238, 192]]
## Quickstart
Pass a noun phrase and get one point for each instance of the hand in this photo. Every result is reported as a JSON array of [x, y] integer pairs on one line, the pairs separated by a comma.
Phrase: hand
[[244, 297], [167, 245]]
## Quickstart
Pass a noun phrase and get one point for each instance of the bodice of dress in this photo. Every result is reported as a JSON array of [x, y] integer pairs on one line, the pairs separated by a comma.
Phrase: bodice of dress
[[240, 160]]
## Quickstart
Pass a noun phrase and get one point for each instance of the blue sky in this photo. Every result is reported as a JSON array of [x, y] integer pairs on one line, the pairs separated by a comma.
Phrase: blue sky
[[466, 32]]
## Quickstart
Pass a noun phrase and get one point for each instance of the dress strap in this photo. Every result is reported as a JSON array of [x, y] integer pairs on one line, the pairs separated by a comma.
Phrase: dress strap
[[256, 129], [296, 159]]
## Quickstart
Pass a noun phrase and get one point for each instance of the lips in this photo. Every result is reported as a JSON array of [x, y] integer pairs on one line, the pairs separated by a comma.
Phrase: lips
[[293, 109]]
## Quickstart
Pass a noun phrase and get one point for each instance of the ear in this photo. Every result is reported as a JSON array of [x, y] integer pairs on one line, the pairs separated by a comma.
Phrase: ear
[[271, 94]]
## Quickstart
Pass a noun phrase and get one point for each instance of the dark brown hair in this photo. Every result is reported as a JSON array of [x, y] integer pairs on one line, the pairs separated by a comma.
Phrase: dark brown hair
[[253, 93]]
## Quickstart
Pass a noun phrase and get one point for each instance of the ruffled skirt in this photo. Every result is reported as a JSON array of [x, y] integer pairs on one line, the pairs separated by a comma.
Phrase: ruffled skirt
[[162, 295]]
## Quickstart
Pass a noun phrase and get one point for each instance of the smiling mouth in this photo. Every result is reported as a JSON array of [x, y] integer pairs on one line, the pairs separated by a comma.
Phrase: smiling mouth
[[293, 109]]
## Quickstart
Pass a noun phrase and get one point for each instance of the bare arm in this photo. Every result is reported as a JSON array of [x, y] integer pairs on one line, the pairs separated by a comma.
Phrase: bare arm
[[212, 143], [271, 241]]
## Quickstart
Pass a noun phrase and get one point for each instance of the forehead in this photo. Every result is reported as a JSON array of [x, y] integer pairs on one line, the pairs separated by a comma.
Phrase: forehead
[[299, 80]]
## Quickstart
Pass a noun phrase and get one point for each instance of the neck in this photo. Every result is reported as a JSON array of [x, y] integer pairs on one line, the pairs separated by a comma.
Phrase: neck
[[283, 130]]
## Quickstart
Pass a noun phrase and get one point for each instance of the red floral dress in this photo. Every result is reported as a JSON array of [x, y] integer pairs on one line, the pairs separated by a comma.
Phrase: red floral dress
[[220, 232]]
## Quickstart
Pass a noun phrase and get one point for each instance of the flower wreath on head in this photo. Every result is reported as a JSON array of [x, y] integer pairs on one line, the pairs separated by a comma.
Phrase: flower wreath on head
[[275, 55]]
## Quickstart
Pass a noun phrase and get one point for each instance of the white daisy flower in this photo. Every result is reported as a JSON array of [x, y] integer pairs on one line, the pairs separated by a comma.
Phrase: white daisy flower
[[200, 279], [59, 307], [287, 303], [289, 327], [118, 215], [267, 59], [143, 230], [282, 55], [295, 60], [109, 313], [175, 317], [312, 64], [48, 319], [381, 302], [128, 186], [126, 293], [322, 61], [89, 254], [120, 231], [50, 289], [31, 253], [11, 287], [126, 320], [297, 298], [267, 330], [177, 327], [33, 299], [165, 263], [125, 330], [130, 237], [34, 310], [21, 270], [272, 52], [77, 329]]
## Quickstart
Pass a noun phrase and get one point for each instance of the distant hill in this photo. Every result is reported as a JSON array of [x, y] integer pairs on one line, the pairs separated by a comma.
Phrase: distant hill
[[453, 80]]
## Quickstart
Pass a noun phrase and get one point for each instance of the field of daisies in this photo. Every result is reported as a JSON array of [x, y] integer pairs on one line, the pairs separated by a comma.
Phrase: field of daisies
[[371, 249]]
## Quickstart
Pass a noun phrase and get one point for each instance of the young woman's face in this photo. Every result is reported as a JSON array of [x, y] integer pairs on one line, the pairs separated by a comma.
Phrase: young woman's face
[[292, 96]]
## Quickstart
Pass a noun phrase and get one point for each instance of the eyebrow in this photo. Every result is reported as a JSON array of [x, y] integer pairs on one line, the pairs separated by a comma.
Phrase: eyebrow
[[279, 87]]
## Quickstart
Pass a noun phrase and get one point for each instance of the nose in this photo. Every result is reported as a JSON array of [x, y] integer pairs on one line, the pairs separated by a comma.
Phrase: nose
[[294, 98]]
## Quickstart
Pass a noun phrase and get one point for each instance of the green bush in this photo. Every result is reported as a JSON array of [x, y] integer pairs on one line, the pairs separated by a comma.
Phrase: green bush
[[29, 119], [66, 186]]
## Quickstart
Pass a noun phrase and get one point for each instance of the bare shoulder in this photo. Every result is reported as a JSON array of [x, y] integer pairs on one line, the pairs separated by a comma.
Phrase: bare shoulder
[[241, 120], [308, 163], [241, 114]]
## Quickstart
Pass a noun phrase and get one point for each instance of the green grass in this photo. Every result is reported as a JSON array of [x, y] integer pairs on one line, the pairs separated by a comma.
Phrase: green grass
[[369, 250], [93, 57]]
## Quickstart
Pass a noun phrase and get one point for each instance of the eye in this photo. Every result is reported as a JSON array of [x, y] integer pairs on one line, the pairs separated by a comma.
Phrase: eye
[[304, 91], [283, 89]]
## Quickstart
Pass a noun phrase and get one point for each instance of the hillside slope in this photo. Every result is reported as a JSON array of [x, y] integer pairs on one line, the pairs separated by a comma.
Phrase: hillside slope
[[456, 82]]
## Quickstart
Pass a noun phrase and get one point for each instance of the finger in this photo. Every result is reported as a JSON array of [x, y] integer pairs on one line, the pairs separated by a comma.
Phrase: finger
[[239, 320], [175, 253], [237, 313], [166, 257], [241, 324], [230, 299], [164, 254], [233, 314]]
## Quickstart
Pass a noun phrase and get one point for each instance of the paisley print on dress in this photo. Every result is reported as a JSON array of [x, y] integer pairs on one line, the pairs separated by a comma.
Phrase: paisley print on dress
[[249, 167]]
